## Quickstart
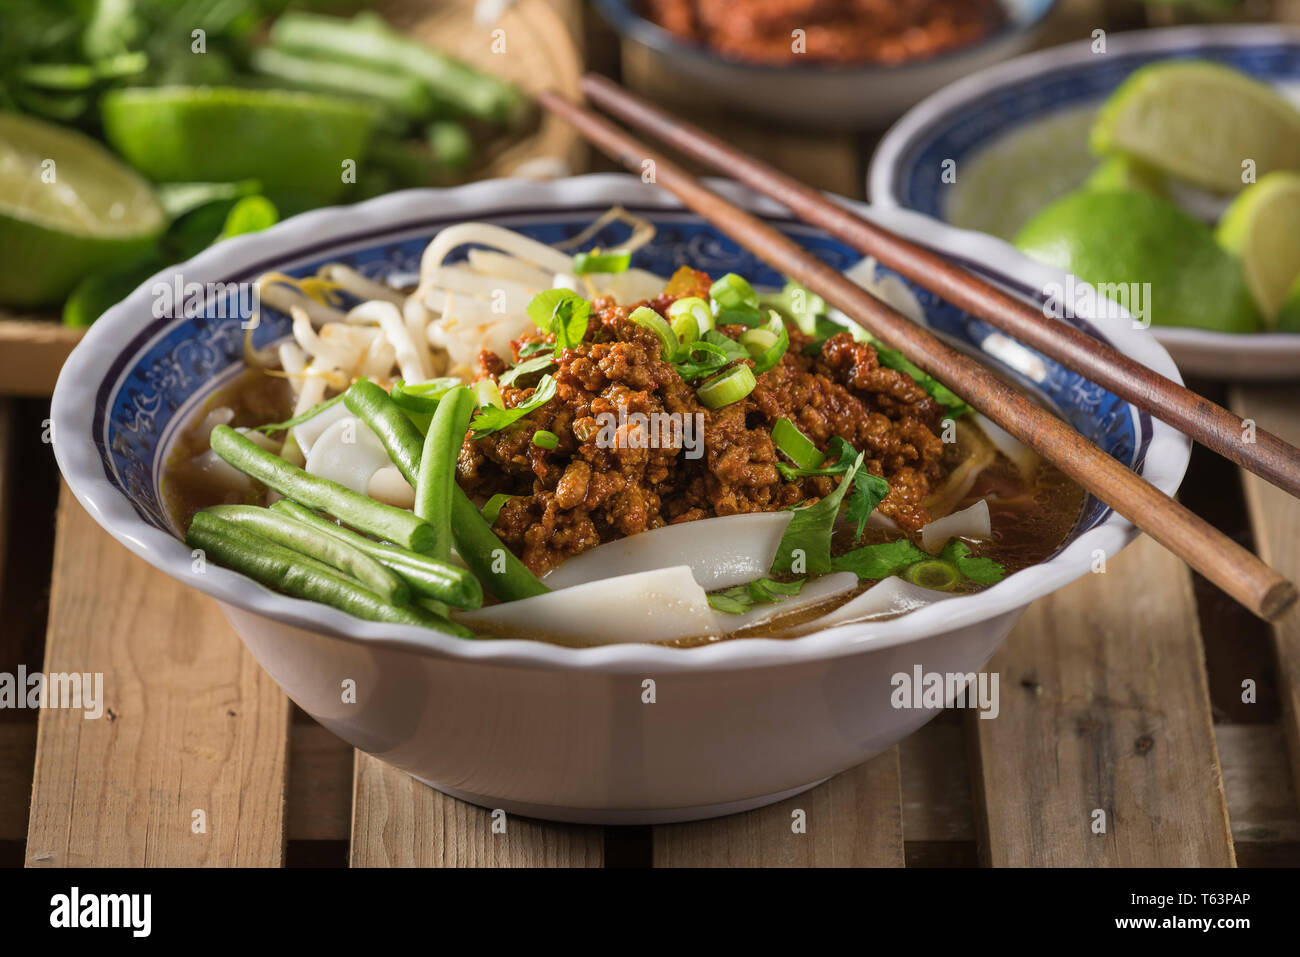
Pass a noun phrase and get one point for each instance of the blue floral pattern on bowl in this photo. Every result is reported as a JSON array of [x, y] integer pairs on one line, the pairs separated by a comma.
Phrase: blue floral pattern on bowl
[[164, 375]]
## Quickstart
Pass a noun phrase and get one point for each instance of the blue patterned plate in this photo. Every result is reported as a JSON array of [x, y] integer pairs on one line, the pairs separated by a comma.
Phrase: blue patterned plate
[[1016, 136]]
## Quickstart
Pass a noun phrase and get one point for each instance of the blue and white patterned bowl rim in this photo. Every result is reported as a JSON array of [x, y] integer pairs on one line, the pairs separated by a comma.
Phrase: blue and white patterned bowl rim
[[963, 118], [133, 383]]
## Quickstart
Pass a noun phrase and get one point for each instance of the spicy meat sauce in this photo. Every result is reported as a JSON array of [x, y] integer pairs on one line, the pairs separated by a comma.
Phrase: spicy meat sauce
[[596, 486]]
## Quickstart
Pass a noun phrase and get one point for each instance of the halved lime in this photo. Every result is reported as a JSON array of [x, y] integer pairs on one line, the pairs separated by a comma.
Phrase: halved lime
[[1202, 122], [1288, 319], [1262, 229], [288, 141], [1163, 260], [67, 208], [1120, 172]]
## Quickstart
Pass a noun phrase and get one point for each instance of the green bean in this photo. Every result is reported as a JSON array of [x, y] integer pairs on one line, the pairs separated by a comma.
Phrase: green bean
[[362, 513], [317, 544], [438, 465], [427, 577], [487, 556], [404, 95], [278, 568], [476, 543], [373, 406], [374, 43]]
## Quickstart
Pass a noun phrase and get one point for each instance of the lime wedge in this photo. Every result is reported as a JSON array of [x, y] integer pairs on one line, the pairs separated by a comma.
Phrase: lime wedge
[[1288, 319], [67, 208], [1200, 122], [1262, 229], [299, 143], [1166, 262], [1120, 172]]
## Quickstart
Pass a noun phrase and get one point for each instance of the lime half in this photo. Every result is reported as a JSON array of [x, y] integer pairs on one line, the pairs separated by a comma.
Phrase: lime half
[[1288, 320], [1144, 248], [1201, 122], [302, 143], [1262, 228], [67, 208]]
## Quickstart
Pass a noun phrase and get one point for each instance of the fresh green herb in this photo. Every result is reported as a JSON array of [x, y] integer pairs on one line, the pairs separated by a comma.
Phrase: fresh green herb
[[985, 571], [647, 318], [709, 354], [492, 508], [562, 312], [536, 347], [764, 591], [727, 388], [546, 440], [796, 446], [596, 261], [868, 490], [894, 359], [528, 367], [874, 562], [298, 420], [767, 344], [806, 545], [935, 574], [491, 418]]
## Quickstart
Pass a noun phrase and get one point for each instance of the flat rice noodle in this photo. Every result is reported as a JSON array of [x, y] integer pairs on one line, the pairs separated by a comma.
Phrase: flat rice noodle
[[887, 599], [720, 552], [659, 605], [971, 522], [349, 453], [814, 592]]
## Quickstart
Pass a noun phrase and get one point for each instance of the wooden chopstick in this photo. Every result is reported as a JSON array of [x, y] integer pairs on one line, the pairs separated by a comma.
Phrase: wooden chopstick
[[1216, 556], [1215, 427]]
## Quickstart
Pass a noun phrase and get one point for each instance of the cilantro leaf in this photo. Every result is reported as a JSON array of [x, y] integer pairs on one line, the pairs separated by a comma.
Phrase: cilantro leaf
[[533, 348], [493, 419], [894, 359], [708, 354], [868, 491], [527, 367], [875, 562], [764, 591], [985, 571], [563, 312], [810, 529]]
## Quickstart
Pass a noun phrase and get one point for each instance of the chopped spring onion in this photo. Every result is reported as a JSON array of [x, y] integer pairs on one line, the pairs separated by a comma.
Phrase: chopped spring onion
[[527, 367], [733, 292], [695, 307], [686, 329], [647, 318], [596, 261], [766, 344], [796, 446], [933, 573], [487, 393], [731, 386], [492, 508], [546, 440]]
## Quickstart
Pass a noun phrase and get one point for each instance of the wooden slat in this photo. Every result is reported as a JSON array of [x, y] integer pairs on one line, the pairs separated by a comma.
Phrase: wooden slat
[[1275, 519], [1257, 784], [853, 820], [190, 722], [320, 784], [32, 350], [1104, 706], [399, 822], [936, 783], [17, 745]]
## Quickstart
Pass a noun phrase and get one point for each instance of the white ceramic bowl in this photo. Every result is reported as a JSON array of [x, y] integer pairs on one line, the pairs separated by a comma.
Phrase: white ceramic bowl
[[1056, 91], [806, 95], [534, 728]]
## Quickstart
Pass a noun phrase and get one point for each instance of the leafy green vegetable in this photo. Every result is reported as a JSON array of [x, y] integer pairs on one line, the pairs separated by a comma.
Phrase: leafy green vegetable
[[868, 492], [985, 571], [806, 544], [764, 591], [533, 348], [893, 359], [493, 419], [709, 354], [527, 367], [873, 562], [562, 312]]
